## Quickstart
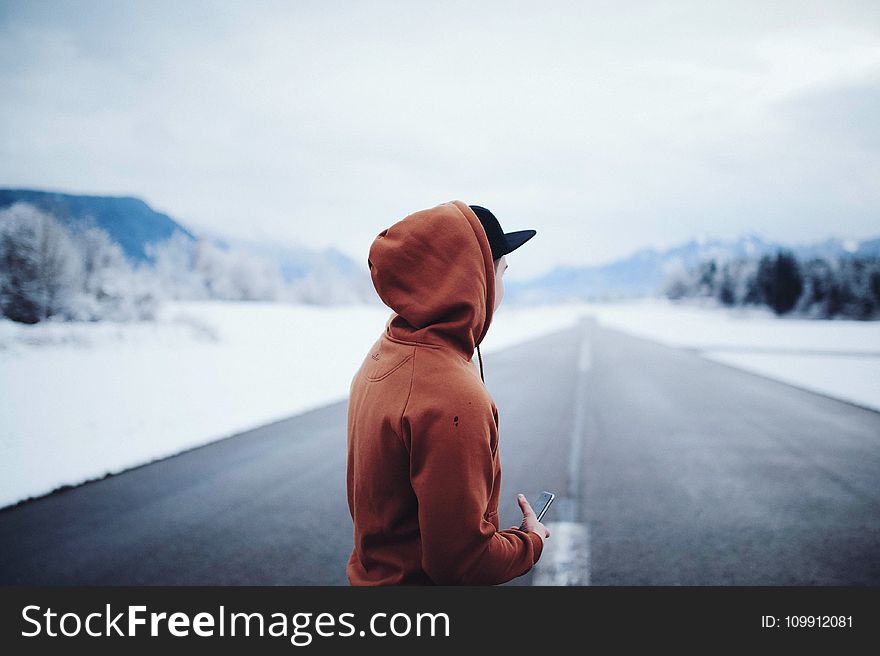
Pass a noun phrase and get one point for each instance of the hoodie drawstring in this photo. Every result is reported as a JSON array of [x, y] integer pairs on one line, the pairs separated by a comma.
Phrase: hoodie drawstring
[[480, 358]]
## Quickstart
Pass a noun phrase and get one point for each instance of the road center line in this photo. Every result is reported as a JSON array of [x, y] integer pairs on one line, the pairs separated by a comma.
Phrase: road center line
[[566, 556]]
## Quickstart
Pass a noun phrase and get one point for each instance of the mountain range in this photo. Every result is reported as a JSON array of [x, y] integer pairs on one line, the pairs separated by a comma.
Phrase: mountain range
[[327, 274], [128, 220], [644, 272], [338, 278]]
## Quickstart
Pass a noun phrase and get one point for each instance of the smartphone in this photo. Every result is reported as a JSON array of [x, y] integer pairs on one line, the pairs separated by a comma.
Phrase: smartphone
[[543, 502]]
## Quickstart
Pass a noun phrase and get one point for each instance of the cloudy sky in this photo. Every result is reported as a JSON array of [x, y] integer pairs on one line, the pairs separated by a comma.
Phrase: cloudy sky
[[605, 126]]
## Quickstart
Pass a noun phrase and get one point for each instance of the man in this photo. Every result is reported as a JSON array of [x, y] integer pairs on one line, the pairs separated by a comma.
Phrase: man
[[424, 471]]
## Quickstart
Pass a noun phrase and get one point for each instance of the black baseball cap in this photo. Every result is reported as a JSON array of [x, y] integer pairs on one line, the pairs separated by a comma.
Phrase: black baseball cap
[[501, 242]]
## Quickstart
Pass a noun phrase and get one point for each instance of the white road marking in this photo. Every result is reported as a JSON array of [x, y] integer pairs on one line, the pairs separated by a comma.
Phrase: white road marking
[[585, 360], [577, 428], [565, 559], [566, 556]]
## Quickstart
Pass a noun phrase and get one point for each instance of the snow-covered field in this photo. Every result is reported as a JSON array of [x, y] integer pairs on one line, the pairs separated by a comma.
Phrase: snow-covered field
[[78, 401]]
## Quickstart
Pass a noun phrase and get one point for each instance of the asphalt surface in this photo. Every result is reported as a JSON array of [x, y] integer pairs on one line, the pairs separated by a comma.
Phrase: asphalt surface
[[689, 472]]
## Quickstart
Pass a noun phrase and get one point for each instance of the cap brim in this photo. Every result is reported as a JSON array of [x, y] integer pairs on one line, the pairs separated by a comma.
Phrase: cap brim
[[516, 239]]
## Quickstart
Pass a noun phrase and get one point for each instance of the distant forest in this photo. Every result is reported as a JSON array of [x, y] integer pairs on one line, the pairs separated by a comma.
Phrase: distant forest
[[847, 286], [51, 271]]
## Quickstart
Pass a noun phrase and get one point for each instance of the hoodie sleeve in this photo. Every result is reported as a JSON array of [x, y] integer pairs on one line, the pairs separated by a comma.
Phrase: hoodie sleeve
[[452, 474]]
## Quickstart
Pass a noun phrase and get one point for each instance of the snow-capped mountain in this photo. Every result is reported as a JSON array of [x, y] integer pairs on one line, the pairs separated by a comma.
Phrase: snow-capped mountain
[[129, 221], [644, 272]]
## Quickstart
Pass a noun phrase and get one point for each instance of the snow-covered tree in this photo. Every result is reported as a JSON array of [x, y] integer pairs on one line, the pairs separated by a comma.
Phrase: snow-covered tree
[[174, 268], [846, 286], [234, 274], [200, 269], [114, 288], [40, 268], [326, 284]]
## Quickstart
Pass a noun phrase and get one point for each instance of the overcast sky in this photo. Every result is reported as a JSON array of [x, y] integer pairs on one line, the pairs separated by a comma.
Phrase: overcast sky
[[605, 126]]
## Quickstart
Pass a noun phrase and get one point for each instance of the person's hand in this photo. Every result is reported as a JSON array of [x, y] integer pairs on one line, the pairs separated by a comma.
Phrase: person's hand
[[530, 520]]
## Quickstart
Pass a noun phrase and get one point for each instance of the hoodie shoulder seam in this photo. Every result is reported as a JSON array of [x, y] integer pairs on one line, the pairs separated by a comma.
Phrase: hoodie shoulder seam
[[429, 345], [408, 343]]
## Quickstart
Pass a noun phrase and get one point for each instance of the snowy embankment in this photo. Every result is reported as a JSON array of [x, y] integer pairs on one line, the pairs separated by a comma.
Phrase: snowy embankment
[[80, 400], [838, 358]]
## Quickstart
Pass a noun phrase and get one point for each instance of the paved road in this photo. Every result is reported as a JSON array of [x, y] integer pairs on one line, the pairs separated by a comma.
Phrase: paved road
[[677, 470]]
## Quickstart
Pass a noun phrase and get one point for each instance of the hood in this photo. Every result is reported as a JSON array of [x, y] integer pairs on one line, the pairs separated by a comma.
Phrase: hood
[[434, 268]]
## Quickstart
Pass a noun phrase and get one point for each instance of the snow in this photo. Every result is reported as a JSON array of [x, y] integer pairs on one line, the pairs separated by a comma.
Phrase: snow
[[706, 327], [80, 400], [854, 379]]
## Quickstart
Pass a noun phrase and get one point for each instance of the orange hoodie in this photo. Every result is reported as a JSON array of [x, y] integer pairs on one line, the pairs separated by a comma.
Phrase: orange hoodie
[[424, 472]]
